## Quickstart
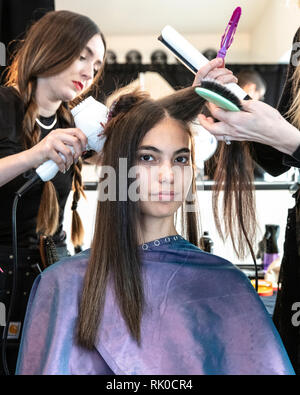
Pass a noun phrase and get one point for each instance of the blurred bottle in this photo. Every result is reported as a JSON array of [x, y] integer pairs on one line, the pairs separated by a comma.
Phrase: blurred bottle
[[206, 243], [268, 247]]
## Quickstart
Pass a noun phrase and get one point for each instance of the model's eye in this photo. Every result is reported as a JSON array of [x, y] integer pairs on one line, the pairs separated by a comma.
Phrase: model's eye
[[182, 159], [82, 58], [146, 158]]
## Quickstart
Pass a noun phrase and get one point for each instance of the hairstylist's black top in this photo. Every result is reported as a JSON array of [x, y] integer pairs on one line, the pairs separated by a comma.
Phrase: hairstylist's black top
[[271, 160], [275, 163], [11, 117]]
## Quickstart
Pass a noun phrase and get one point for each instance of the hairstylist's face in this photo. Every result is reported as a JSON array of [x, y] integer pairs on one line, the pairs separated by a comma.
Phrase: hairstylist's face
[[71, 82], [164, 168]]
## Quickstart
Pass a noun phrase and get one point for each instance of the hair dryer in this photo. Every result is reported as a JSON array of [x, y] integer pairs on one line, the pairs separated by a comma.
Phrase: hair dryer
[[90, 116]]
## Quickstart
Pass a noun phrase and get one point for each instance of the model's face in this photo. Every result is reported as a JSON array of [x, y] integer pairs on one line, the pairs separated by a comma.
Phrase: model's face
[[164, 169], [71, 82]]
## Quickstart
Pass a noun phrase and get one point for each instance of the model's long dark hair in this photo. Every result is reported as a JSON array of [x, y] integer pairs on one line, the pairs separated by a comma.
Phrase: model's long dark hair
[[114, 250], [51, 45], [233, 197]]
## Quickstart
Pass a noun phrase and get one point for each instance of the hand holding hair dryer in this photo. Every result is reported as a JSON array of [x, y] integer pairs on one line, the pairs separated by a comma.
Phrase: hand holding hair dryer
[[90, 116]]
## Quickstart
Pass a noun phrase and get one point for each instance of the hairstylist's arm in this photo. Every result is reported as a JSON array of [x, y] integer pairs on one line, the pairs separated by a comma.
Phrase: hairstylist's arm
[[57, 142], [215, 70], [258, 122]]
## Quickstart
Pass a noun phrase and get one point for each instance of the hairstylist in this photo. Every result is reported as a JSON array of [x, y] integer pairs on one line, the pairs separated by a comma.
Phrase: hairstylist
[[275, 146], [60, 58]]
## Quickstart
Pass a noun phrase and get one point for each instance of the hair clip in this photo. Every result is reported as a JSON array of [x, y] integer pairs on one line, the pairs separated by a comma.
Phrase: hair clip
[[228, 36], [111, 110]]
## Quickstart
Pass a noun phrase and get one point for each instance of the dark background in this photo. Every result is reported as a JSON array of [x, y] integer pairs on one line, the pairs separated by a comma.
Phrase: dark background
[[16, 16], [118, 75]]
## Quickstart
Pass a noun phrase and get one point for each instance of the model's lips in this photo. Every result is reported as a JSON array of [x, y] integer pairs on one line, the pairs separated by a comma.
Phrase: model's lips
[[167, 195], [78, 85]]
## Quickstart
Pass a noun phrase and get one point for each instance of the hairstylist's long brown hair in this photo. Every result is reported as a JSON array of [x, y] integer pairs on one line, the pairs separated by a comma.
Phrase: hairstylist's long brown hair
[[114, 252], [290, 100], [51, 45]]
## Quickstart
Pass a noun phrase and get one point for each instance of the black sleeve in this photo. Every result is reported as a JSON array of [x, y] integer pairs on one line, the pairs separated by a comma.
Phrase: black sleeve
[[269, 159], [11, 116], [272, 161]]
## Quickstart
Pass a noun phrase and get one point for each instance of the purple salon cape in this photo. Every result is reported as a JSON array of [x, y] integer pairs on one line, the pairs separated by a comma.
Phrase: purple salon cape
[[202, 316]]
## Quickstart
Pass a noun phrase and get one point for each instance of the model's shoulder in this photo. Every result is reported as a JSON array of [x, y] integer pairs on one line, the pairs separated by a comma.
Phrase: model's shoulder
[[197, 254], [198, 261], [197, 274], [68, 268]]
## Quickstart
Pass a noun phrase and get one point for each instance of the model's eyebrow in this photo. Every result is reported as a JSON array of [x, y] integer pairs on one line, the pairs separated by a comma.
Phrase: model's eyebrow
[[91, 53], [151, 148]]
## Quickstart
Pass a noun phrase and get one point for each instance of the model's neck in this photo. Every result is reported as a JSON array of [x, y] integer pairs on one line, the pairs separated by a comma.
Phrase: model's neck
[[155, 228]]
